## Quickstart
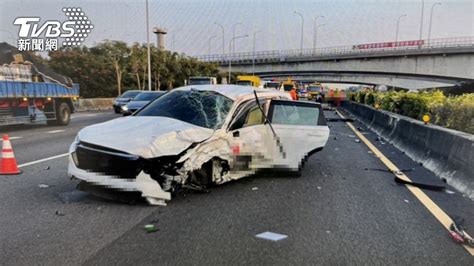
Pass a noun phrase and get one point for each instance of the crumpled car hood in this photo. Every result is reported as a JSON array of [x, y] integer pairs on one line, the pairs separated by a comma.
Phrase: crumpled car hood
[[145, 136]]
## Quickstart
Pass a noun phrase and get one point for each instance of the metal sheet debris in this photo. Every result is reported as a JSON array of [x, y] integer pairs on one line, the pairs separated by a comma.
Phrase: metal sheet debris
[[271, 236]]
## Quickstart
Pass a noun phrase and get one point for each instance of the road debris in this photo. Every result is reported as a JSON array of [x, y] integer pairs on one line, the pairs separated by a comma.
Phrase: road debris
[[407, 201], [328, 232], [419, 185], [357, 140], [459, 235], [271, 236], [47, 168], [58, 213], [337, 119], [255, 188], [449, 191], [150, 228], [319, 187], [43, 186]]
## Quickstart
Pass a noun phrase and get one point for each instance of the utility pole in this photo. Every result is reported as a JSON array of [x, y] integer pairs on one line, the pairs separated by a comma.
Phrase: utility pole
[[148, 46], [302, 29]]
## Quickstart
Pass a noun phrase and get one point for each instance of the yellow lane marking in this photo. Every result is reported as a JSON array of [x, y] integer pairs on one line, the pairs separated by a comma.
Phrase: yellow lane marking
[[435, 210]]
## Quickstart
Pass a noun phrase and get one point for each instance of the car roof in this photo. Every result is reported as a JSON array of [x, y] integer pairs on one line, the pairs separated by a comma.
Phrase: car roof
[[152, 92], [231, 91]]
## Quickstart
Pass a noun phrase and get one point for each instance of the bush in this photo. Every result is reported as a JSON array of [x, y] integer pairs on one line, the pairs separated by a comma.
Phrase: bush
[[451, 112]]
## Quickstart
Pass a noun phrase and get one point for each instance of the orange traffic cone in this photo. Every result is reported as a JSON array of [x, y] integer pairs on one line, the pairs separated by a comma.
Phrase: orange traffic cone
[[8, 165]]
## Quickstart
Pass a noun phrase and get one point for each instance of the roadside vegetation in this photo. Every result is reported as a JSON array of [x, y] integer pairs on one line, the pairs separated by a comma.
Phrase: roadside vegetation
[[455, 112], [111, 67]]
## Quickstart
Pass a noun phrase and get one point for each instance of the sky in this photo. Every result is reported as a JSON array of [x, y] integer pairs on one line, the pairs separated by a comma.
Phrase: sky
[[191, 23]]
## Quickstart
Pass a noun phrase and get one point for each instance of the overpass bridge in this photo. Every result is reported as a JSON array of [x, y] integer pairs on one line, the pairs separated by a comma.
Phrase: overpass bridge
[[433, 63]]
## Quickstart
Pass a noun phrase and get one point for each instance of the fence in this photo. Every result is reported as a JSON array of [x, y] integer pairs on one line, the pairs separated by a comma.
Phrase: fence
[[284, 55]]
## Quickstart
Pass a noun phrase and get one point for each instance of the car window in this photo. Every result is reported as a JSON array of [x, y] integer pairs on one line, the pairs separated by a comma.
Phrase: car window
[[294, 115], [202, 108], [248, 115], [129, 94], [254, 117]]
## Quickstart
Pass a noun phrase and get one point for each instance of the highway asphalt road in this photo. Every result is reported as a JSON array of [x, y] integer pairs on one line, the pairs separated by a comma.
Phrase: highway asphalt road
[[345, 209]]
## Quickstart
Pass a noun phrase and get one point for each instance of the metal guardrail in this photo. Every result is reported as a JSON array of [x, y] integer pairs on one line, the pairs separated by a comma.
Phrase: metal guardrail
[[283, 55]]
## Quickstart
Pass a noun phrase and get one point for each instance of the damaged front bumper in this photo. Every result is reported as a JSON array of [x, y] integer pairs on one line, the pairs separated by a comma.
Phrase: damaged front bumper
[[149, 188]]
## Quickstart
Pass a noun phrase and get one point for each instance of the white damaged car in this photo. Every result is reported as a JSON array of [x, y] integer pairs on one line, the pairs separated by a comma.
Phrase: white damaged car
[[198, 135]]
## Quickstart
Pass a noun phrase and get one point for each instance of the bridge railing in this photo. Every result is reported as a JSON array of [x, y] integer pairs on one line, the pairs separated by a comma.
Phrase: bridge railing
[[298, 54]]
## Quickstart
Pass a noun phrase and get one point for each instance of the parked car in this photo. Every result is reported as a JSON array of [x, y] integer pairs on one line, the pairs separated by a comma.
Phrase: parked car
[[198, 135], [124, 99], [142, 99]]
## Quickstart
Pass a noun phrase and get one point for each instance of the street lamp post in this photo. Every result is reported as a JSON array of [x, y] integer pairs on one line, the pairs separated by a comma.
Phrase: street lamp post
[[230, 47], [316, 39], [302, 29], [210, 39], [398, 25], [421, 20], [253, 55], [148, 46], [315, 31], [223, 37], [233, 35], [431, 19]]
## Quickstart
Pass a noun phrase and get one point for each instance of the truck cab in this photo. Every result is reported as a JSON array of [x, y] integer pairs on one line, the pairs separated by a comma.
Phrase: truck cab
[[253, 81]]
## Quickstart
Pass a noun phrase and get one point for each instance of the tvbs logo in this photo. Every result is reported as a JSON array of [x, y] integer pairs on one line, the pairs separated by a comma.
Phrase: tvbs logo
[[36, 36]]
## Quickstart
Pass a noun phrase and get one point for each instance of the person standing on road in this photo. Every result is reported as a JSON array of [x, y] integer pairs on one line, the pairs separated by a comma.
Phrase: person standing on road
[[319, 98], [293, 94]]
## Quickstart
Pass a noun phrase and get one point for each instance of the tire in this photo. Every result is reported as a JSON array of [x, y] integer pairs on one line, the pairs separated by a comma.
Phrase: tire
[[63, 115]]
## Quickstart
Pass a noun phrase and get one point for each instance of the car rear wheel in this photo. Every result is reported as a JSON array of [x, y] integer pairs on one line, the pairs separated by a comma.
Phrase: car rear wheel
[[63, 115]]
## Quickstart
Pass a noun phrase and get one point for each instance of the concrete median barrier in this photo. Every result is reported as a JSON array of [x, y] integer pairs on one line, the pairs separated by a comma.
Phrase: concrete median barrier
[[94, 104], [447, 153]]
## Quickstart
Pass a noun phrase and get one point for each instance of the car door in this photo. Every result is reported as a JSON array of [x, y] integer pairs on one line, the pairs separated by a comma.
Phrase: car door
[[250, 142], [300, 129]]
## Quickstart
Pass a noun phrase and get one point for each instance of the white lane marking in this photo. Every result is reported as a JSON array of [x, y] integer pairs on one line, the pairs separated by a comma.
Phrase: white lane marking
[[12, 138], [44, 160], [56, 131], [86, 115]]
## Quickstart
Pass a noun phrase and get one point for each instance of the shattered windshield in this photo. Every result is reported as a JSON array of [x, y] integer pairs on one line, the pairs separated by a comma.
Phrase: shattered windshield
[[202, 108], [147, 96]]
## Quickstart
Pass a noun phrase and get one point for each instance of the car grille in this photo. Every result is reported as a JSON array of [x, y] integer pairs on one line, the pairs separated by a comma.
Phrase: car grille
[[107, 161]]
